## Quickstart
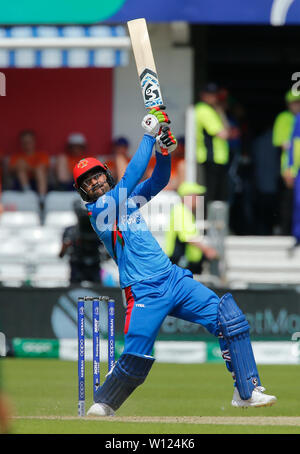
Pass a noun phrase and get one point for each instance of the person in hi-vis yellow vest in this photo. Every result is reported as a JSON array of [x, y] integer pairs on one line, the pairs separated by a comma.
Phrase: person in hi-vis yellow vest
[[282, 133], [182, 239], [212, 147]]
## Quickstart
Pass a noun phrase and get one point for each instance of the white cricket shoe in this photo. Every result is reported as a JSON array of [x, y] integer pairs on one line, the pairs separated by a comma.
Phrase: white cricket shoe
[[99, 409], [258, 399]]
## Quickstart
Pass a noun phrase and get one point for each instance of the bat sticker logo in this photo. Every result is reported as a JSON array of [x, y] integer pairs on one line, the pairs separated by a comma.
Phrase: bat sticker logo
[[150, 92], [150, 89]]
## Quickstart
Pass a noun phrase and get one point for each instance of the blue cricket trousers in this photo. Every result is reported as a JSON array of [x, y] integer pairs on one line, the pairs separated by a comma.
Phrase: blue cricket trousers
[[174, 293]]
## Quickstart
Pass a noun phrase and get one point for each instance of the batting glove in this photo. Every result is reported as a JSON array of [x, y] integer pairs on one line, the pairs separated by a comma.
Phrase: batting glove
[[155, 120], [166, 141]]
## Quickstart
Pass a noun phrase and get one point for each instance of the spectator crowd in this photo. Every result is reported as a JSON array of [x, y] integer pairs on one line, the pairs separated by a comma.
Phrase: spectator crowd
[[31, 168], [257, 179]]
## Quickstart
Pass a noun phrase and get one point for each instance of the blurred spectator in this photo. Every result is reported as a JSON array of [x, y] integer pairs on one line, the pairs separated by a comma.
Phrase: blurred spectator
[[75, 150], [242, 216], [119, 159], [240, 172], [233, 117], [240, 165], [212, 133], [293, 167], [282, 131], [266, 181], [183, 243], [81, 244], [29, 166], [177, 166]]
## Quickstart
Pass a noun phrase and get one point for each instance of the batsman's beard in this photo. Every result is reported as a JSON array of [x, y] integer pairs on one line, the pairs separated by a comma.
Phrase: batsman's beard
[[97, 191]]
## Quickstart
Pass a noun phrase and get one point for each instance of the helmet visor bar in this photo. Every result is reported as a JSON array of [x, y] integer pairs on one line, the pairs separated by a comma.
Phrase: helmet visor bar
[[91, 179]]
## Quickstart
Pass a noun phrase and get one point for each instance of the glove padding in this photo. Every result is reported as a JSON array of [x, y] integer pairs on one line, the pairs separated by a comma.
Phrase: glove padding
[[166, 141], [155, 120]]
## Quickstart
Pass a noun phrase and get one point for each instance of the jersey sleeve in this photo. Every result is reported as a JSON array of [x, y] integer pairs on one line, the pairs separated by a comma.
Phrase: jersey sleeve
[[158, 180], [135, 170]]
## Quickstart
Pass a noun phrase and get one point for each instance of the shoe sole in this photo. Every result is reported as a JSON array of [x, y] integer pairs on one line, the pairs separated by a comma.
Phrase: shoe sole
[[97, 414], [269, 404], [92, 413]]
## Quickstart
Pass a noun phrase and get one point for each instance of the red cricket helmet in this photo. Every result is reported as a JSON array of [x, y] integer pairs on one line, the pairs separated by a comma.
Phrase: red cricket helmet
[[82, 168]]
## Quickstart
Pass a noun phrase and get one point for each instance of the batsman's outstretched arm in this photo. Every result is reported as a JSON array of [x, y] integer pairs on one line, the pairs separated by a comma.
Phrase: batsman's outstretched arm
[[160, 177], [135, 170]]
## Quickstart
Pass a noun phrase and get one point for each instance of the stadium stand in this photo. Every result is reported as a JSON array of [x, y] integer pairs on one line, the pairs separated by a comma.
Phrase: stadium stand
[[13, 274], [60, 201], [261, 260], [29, 249], [13, 250], [15, 220], [18, 200], [50, 275], [39, 235], [59, 209], [60, 219]]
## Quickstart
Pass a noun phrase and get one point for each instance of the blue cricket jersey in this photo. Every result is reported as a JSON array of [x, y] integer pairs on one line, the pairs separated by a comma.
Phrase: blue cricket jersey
[[116, 218]]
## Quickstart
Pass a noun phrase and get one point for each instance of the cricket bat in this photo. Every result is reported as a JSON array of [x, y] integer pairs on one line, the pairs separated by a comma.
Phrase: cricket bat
[[145, 63]]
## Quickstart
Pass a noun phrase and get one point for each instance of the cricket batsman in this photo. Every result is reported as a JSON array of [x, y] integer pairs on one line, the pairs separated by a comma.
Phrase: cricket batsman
[[154, 287]]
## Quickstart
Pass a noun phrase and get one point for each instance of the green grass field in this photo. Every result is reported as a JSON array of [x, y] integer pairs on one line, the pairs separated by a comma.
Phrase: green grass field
[[175, 399]]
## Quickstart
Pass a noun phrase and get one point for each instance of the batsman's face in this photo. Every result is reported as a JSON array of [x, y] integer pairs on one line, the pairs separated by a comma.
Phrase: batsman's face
[[95, 184]]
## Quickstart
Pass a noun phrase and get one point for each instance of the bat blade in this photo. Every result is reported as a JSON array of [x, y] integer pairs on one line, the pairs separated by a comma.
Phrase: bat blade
[[145, 64]]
